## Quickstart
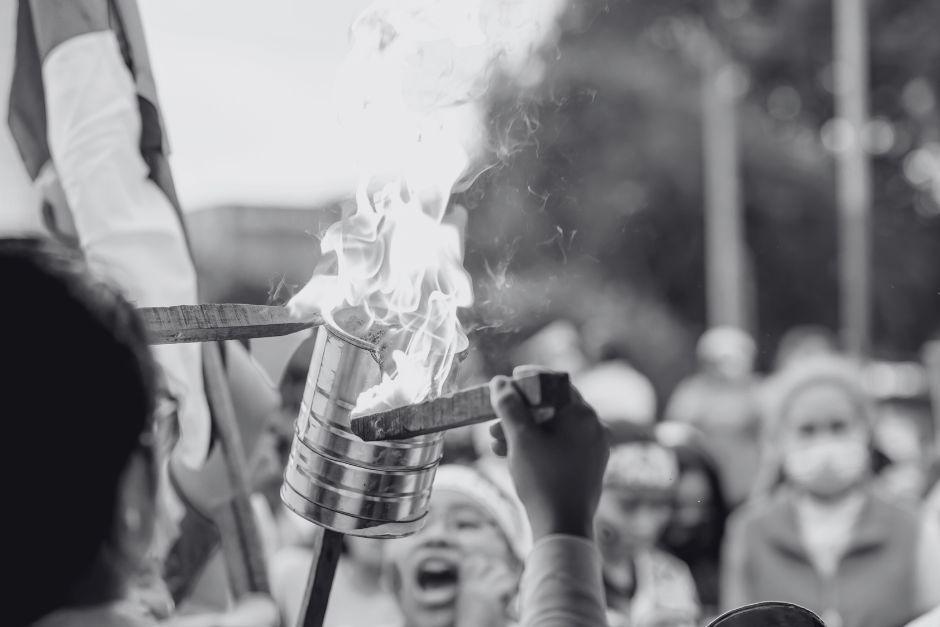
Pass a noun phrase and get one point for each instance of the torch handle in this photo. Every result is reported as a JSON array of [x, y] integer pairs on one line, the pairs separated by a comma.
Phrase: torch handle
[[320, 579]]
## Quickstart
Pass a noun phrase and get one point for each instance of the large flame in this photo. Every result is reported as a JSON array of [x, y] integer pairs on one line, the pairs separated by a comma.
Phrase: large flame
[[409, 94]]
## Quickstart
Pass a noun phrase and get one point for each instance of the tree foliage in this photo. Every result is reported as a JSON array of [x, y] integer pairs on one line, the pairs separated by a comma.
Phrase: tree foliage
[[605, 186]]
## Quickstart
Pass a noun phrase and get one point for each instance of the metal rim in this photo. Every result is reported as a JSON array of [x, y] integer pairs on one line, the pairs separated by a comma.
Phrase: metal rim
[[380, 509], [745, 609], [356, 341], [346, 523], [358, 476], [323, 438]]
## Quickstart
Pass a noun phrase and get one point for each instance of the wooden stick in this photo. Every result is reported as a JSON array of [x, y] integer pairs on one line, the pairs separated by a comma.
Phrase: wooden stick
[[320, 579], [241, 541], [220, 321], [543, 390]]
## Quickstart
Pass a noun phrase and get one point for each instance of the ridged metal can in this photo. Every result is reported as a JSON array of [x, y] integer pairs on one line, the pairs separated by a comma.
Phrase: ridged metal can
[[336, 480]]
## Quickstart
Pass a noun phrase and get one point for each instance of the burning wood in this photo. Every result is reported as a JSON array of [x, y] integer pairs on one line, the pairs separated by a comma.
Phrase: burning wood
[[544, 391]]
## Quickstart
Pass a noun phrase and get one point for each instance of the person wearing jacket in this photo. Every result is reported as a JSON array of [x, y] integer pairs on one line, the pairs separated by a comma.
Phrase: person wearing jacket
[[645, 586], [697, 528], [825, 539]]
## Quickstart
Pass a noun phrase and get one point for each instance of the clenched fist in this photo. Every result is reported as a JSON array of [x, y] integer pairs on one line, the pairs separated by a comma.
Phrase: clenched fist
[[557, 466]]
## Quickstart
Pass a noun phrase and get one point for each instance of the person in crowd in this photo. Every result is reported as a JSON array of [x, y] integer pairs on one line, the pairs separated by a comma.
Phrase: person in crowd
[[87, 502], [618, 393], [904, 427], [927, 556], [826, 539], [74, 337], [463, 567], [645, 586], [800, 342], [720, 400], [75, 550], [556, 346], [557, 470], [697, 528]]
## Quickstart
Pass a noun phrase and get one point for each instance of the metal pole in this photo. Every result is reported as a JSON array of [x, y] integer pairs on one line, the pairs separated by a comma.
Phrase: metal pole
[[853, 185], [724, 237], [320, 578]]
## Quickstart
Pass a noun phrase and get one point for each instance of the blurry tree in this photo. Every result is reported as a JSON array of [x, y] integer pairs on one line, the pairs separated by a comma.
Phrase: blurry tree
[[604, 188]]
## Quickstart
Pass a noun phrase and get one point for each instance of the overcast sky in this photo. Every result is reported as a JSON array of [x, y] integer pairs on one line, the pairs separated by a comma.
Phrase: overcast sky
[[246, 91]]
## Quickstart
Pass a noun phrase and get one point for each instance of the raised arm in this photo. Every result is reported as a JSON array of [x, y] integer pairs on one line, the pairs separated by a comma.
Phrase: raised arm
[[557, 468]]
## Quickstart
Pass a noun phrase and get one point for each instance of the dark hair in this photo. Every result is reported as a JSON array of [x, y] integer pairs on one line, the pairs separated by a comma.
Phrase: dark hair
[[79, 387], [694, 458], [702, 550]]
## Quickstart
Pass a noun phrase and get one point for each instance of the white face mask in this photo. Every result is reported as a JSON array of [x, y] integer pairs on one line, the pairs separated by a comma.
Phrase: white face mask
[[828, 467]]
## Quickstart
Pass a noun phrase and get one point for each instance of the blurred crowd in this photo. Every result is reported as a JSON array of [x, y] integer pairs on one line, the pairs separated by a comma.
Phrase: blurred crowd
[[816, 484], [814, 481]]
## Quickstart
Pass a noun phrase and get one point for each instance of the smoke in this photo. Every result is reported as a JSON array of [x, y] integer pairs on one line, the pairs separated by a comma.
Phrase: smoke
[[433, 64], [411, 96]]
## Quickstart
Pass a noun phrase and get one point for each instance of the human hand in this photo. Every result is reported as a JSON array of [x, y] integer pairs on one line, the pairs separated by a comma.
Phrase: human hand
[[486, 587], [557, 466]]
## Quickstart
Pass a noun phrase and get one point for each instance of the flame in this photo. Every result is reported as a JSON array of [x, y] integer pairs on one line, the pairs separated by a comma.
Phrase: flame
[[410, 94]]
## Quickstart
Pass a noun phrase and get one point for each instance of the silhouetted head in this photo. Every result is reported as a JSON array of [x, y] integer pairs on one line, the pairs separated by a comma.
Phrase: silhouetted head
[[79, 394]]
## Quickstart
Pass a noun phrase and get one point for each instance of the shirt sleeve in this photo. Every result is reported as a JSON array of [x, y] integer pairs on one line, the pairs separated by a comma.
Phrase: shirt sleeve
[[734, 589], [930, 619], [928, 555], [127, 227], [562, 585]]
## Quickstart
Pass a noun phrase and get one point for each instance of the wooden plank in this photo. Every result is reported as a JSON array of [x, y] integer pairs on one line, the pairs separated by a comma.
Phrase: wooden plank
[[241, 541], [320, 579], [543, 391], [220, 321]]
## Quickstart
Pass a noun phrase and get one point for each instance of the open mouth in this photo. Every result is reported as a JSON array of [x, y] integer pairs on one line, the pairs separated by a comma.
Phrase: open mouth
[[436, 580]]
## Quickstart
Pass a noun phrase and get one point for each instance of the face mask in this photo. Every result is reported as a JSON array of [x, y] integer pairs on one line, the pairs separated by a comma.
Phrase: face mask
[[827, 467]]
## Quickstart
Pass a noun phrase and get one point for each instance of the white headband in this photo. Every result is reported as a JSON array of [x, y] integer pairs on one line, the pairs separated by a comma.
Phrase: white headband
[[507, 512], [643, 466]]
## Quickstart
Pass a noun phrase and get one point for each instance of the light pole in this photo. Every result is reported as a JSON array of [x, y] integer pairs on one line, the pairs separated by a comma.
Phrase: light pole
[[725, 276], [853, 173]]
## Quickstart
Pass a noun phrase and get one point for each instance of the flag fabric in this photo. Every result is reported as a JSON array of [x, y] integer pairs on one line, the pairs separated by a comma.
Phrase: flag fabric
[[83, 107]]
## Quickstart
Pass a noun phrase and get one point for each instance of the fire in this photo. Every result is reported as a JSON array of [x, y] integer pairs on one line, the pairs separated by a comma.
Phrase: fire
[[410, 95]]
